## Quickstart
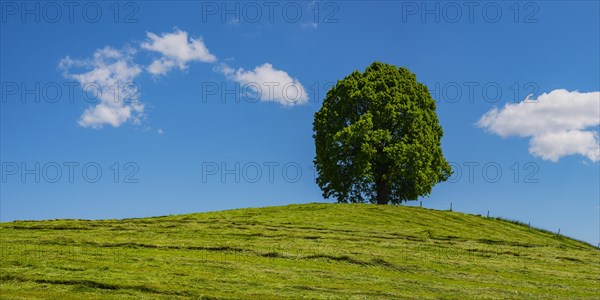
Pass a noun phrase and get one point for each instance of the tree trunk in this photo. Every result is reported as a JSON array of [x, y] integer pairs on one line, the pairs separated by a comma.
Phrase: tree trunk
[[382, 186], [383, 192]]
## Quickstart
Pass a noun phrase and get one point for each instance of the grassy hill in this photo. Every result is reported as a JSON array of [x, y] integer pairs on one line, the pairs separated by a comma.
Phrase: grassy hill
[[312, 251]]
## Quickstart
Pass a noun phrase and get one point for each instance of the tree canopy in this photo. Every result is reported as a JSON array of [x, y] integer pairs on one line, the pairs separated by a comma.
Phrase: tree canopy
[[378, 138]]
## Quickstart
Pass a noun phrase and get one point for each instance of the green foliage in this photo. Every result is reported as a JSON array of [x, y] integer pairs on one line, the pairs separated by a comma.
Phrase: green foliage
[[312, 251], [378, 138]]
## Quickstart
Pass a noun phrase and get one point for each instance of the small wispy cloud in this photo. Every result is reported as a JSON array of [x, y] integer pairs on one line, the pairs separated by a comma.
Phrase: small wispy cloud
[[309, 25], [312, 25], [234, 21]]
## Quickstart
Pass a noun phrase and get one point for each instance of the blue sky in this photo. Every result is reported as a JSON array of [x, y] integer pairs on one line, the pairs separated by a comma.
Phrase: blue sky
[[189, 131]]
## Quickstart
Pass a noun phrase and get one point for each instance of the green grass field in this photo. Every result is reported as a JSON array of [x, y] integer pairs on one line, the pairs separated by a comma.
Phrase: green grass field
[[323, 251]]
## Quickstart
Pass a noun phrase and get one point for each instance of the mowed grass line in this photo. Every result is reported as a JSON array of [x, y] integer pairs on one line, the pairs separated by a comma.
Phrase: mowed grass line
[[320, 251]]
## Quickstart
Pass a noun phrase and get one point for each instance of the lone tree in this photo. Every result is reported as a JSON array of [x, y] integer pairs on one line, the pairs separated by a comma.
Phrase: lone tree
[[378, 138]]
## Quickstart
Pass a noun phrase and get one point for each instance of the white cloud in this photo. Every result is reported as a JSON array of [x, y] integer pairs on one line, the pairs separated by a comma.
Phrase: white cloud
[[268, 84], [108, 76], [160, 131], [559, 123], [177, 49]]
